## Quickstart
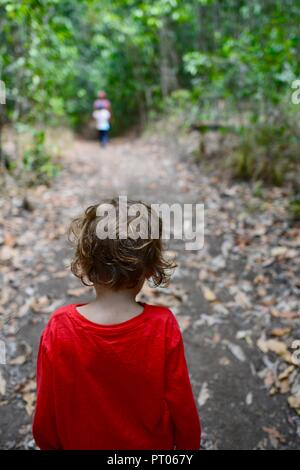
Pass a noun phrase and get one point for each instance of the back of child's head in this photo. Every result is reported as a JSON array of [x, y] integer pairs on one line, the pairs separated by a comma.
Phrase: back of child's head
[[118, 245]]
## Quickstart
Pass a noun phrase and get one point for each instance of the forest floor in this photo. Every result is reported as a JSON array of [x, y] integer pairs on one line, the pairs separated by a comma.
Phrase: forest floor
[[236, 300]]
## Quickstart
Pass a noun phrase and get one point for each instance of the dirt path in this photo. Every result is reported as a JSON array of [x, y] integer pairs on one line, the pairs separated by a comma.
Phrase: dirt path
[[227, 296]]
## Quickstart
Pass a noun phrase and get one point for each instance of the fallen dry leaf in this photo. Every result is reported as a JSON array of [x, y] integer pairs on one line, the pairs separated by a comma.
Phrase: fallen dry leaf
[[281, 331], [294, 402], [60, 274], [286, 372], [274, 435], [209, 295], [38, 305], [22, 358], [19, 360], [9, 239], [242, 300], [285, 315], [249, 398], [276, 346], [77, 292], [29, 399], [224, 361], [279, 251], [204, 395], [236, 350]]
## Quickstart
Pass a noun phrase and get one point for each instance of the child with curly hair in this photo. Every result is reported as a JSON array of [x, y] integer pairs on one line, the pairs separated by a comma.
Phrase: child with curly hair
[[111, 373]]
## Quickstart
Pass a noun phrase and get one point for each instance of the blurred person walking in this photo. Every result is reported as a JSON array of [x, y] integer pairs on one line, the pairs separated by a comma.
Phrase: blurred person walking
[[102, 101], [102, 117]]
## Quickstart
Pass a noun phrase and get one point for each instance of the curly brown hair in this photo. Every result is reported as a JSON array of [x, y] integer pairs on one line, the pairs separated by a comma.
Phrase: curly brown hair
[[118, 263]]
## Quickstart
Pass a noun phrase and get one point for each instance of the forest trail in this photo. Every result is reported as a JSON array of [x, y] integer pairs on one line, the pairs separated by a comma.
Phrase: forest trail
[[225, 296]]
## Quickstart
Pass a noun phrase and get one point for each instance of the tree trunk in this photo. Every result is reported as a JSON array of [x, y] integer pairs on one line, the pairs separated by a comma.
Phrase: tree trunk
[[168, 60]]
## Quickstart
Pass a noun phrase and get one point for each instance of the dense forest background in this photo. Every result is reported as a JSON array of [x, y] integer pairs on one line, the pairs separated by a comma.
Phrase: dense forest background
[[230, 63]]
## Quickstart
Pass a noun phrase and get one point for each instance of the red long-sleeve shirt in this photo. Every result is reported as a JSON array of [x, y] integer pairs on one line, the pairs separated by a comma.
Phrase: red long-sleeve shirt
[[122, 386]]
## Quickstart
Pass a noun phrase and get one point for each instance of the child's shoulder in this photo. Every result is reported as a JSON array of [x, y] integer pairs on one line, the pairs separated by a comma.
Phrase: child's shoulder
[[60, 313], [166, 322], [61, 325], [58, 321], [163, 314]]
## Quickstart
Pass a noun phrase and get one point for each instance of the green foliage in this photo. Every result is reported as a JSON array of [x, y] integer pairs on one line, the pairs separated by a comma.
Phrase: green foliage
[[294, 206], [206, 59], [266, 152], [37, 160], [56, 55]]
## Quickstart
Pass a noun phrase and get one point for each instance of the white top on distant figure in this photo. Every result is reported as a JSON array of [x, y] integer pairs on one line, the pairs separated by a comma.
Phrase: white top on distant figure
[[102, 117]]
